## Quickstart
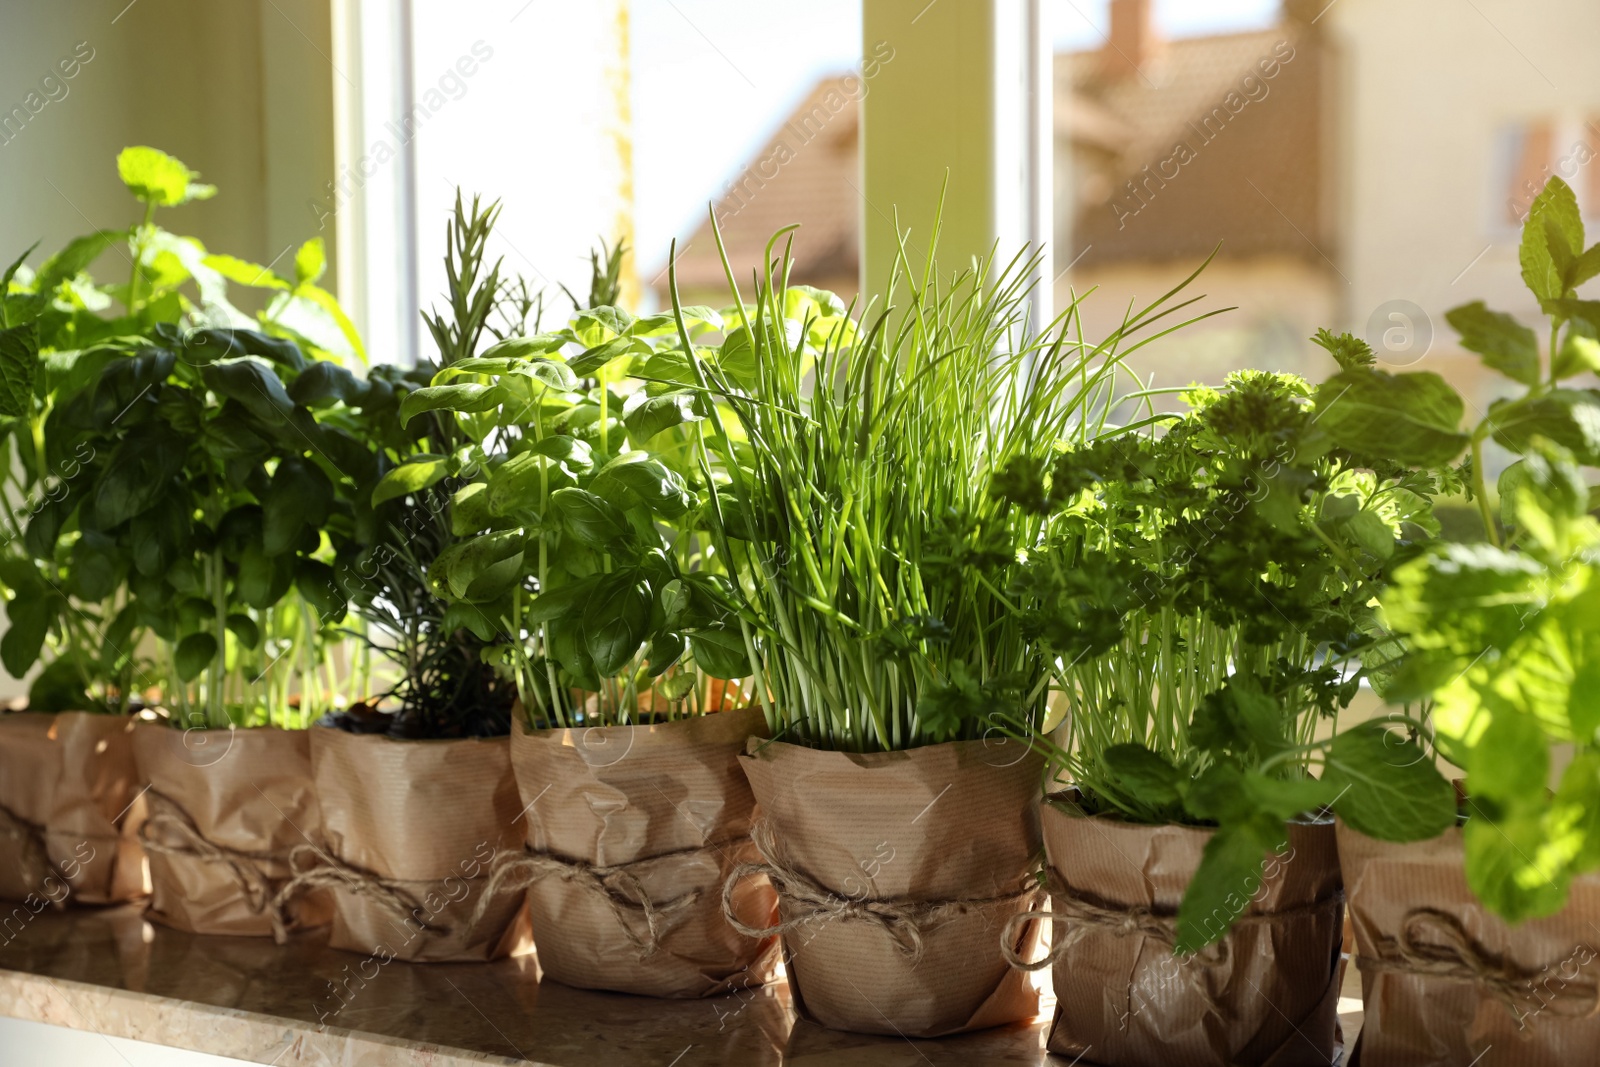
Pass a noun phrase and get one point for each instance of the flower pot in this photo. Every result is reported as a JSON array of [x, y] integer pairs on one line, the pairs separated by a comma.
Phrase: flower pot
[[631, 832], [227, 807], [1444, 980], [69, 809], [411, 827], [1266, 994], [895, 873]]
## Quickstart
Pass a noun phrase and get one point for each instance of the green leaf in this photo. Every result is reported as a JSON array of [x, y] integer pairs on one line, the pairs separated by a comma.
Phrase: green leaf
[[614, 626], [461, 615], [463, 397], [590, 519], [1507, 865], [637, 479], [1569, 417], [194, 655], [1553, 212], [720, 652], [1350, 351], [414, 475], [485, 567], [318, 585], [1368, 530], [469, 510], [1228, 878], [136, 478], [243, 272], [1578, 355], [1387, 786], [245, 629], [71, 261], [1587, 266], [310, 261], [323, 382], [263, 579], [252, 383], [27, 622], [1504, 343], [562, 601], [300, 495], [325, 300], [1143, 773], [19, 369], [208, 346], [157, 178], [586, 363], [646, 416], [1411, 418], [1289, 798]]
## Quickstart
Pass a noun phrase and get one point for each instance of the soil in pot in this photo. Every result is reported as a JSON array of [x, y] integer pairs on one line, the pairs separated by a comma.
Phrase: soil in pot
[[631, 833], [411, 827], [1265, 995], [1445, 981], [227, 809], [70, 809], [896, 872]]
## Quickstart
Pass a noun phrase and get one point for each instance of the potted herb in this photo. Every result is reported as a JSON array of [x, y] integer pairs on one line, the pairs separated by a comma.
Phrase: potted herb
[[205, 517], [899, 825], [1480, 938], [1206, 589], [416, 783], [581, 555]]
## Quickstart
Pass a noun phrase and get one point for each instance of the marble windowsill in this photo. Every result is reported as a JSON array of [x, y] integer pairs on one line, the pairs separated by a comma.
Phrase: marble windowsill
[[110, 972]]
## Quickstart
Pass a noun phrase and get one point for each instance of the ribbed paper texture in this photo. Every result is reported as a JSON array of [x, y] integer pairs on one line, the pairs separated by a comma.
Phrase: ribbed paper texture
[[73, 775], [1417, 1021], [430, 813], [956, 820], [248, 791], [609, 796], [1124, 1001]]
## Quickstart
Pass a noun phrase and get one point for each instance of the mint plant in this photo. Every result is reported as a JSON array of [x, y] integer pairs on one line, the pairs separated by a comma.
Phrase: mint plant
[[1501, 636]]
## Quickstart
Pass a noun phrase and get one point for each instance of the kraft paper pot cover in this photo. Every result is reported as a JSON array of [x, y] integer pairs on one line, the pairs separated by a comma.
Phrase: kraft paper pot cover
[[1266, 995], [895, 873], [1445, 981], [631, 832], [70, 809], [411, 827], [227, 807]]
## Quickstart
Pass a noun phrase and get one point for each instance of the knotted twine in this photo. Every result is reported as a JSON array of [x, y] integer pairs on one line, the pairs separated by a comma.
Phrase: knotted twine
[[30, 837], [904, 920], [1453, 954], [1084, 917], [171, 832], [330, 872], [616, 884]]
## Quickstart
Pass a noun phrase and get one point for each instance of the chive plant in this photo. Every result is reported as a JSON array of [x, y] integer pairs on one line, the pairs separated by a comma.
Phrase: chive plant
[[852, 466]]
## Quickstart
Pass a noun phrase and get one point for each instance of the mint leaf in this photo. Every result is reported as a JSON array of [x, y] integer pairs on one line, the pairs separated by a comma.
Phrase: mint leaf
[[1504, 343], [1411, 418], [1228, 877], [19, 369], [1386, 786], [1554, 211]]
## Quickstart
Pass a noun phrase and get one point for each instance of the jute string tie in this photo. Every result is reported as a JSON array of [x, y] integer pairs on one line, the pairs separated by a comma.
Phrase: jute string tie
[[30, 837], [617, 884], [1434, 944], [327, 871], [170, 831], [1084, 917], [905, 921]]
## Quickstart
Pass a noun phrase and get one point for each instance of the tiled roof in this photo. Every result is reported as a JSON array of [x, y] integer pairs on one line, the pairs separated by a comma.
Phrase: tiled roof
[[1254, 183]]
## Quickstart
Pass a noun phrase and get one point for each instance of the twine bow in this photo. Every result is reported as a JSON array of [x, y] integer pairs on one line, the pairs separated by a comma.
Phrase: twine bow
[[617, 885], [330, 872], [1084, 917], [1450, 952], [905, 921], [170, 831], [30, 837]]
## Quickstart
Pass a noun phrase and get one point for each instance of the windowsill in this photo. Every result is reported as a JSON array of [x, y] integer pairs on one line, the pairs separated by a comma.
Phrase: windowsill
[[110, 972]]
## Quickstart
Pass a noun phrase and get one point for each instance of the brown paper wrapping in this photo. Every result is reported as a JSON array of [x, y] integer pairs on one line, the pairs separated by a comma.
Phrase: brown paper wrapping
[[942, 823], [615, 796], [1125, 1001], [69, 790], [248, 793], [1433, 1021], [428, 816]]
